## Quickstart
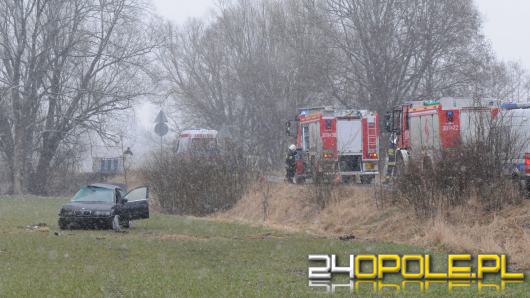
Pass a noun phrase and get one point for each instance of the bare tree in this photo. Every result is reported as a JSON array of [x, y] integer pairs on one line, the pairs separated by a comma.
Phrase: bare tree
[[248, 70], [400, 50], [67, 66]]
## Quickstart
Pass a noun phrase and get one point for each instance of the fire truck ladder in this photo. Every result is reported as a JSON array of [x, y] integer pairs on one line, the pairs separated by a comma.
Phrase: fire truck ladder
[[372, 137]]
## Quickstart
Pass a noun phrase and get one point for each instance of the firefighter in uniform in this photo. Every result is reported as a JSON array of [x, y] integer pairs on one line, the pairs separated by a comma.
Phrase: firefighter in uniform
[[391, 159], [290, 163]]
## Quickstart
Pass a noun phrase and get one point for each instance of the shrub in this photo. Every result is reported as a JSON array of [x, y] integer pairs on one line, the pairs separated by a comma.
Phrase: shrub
[[198, 185], [475, 171]]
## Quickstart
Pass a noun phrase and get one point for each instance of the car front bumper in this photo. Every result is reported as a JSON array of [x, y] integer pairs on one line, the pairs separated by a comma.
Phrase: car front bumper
[[86, 221]]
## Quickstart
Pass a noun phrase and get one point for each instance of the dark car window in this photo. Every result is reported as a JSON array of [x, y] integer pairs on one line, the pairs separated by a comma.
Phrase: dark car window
[[94, 194], [203, 144]]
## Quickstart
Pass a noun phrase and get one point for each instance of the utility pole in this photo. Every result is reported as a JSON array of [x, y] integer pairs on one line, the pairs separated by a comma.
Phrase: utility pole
[[124, 158], [161, 128]]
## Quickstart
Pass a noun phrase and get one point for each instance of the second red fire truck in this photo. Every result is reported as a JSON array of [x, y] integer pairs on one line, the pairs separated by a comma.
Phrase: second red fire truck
[[420, 129]]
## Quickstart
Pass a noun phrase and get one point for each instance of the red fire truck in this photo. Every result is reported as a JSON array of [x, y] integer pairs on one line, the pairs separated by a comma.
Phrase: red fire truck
[[420, 129], [336, 144]]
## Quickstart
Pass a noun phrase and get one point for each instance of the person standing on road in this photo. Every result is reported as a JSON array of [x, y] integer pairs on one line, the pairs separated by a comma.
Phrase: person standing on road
[[290, 162]]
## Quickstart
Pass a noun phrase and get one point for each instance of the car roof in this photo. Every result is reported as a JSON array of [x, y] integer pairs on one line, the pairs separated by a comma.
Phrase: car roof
[[112, 186]]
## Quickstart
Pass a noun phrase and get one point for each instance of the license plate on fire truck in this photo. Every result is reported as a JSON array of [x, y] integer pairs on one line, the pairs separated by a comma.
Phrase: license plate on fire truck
[[369, 166]]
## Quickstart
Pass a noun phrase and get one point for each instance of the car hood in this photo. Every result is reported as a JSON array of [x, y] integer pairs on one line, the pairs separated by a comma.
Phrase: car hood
[[88, 206]]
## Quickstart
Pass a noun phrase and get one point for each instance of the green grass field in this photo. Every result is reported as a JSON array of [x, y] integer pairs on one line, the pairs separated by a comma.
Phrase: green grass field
[[171, 256]]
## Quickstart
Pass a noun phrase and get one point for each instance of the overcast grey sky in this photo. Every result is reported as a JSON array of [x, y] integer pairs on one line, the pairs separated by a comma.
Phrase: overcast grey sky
[[506, 22], [506, 25]]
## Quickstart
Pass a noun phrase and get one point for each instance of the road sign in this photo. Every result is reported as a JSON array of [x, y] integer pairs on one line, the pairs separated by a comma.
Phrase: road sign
[[161, 117], [161, 129]]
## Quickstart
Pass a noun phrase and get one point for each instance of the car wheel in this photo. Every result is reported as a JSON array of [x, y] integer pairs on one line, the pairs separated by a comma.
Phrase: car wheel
[[366, 179], [116, 223], [62, 225], [348, 179], [299, 180]]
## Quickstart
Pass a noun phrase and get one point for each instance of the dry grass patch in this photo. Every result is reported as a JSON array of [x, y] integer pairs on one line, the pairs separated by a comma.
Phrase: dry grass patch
[[352, 210]]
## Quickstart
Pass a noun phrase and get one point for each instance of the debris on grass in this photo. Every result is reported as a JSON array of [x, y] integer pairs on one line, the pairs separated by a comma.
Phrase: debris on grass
[[40, 227], [347, 237]]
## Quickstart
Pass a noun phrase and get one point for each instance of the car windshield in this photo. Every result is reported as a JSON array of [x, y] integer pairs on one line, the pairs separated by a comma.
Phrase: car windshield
[[94, 194]]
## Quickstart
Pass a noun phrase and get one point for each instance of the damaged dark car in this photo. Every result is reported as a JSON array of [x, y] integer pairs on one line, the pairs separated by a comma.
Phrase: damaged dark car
[[105, 206]]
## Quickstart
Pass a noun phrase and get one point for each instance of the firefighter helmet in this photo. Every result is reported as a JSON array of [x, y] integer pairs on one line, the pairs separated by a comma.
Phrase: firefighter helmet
[[292, 147]]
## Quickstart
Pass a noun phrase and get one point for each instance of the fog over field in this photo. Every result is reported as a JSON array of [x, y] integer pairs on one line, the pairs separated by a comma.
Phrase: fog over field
[[505, 27]]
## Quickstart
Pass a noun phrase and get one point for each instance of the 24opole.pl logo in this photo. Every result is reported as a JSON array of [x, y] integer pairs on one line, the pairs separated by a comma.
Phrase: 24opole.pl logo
[[416, 271]]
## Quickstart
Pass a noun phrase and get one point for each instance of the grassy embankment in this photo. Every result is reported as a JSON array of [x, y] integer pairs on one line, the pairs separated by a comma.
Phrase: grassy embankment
[[170, 256], [353, 210]]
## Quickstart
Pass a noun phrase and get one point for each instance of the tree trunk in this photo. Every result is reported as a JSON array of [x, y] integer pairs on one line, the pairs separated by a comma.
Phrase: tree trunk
[[6, 146], [10, 177], [40, 178], [41, 175], [19, 160]]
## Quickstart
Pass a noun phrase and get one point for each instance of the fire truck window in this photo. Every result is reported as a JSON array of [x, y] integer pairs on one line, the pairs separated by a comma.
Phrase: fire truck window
[[450, 117], [397, 120], [328, 124], [305, 136]]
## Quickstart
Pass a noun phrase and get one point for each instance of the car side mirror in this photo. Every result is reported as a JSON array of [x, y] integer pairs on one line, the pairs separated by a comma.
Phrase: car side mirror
[[124, 200]]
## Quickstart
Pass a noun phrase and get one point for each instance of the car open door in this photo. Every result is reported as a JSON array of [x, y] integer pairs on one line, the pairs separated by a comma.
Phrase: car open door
[[137, 204]]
